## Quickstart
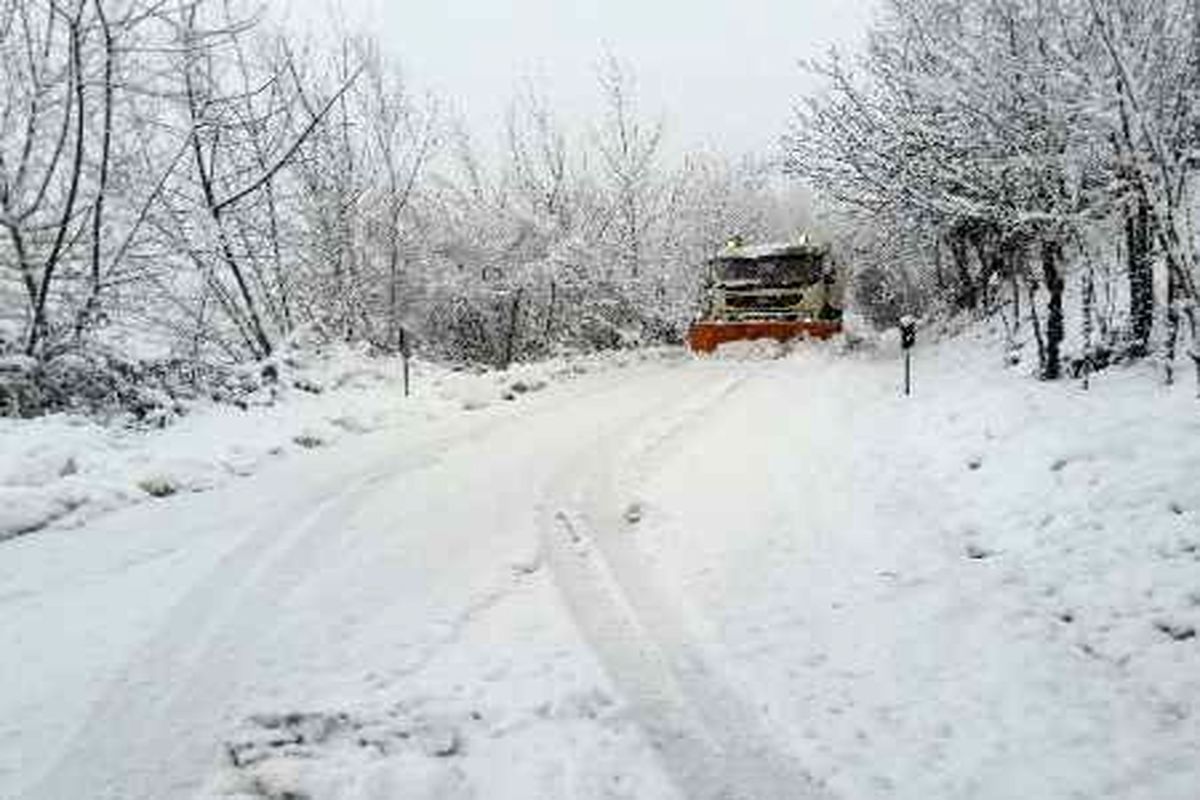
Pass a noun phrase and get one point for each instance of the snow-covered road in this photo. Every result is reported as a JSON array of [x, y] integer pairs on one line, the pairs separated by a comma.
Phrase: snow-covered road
[[147, 640], [682, 579], [710, 741]]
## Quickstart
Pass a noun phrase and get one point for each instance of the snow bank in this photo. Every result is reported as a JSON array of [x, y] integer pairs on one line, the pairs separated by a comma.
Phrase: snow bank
[[751, 350], [62, 471]]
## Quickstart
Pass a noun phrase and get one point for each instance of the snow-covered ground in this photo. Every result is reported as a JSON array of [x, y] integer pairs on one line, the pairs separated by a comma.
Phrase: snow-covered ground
[[739, 577], [989, 590], [62, 471]]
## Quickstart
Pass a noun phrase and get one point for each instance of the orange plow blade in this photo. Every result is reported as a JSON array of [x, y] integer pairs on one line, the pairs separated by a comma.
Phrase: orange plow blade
[[705, 337]]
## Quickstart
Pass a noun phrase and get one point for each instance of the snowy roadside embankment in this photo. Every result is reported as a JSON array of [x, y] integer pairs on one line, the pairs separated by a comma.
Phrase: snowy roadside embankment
[[63, 470], [990, 589]]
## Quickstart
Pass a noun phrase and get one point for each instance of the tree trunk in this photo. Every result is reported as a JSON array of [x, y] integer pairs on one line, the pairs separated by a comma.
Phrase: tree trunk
[[550, 310], [1172, 329], [510, 339], [967, 297], [1038, 337], [1194, 350], [939, 280], [1089, 312], [1052, 275], [1013, 276], [1141, 279], [39, 328], [91, 308]]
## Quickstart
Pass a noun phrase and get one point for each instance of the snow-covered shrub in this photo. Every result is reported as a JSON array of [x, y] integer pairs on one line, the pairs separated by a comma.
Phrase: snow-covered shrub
[[158, 486], [883, 297], [91, 381], [102, 383]]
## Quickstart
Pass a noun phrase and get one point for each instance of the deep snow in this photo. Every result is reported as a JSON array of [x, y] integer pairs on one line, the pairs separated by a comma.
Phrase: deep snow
[[741, 577]]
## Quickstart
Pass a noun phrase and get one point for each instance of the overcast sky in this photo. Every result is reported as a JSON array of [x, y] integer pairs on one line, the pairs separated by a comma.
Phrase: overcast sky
[[722, 73]]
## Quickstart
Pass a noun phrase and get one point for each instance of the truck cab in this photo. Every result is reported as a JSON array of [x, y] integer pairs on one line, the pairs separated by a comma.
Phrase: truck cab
[[777, 291]]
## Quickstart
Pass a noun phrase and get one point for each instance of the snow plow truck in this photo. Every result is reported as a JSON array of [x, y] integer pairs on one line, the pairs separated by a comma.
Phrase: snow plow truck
[[773, 291]]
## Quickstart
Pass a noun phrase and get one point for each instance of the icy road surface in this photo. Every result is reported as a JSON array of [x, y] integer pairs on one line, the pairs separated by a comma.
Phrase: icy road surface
[[744, 580]]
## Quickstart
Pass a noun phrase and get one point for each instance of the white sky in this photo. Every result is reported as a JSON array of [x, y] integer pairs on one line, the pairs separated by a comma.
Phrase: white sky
[[721, 73]]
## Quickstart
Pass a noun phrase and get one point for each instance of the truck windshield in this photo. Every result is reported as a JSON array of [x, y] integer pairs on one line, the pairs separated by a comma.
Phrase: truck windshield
[[771, 271]]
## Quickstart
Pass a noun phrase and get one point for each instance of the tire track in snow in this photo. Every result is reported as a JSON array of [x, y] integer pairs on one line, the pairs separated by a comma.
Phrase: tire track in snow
[[710, 741], [152, 733], [167, 691]]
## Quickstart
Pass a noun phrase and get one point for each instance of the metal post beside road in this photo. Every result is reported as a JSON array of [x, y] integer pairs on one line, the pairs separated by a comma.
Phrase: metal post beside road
[[908, 338]]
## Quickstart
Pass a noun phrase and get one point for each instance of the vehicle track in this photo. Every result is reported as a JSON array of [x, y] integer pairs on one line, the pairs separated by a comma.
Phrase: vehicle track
[[711, 742], [174, 681], [154, 730]]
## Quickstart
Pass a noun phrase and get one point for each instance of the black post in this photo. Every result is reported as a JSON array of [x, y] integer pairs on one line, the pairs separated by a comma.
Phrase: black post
[[550, 311], [908, 338], [404, 356]]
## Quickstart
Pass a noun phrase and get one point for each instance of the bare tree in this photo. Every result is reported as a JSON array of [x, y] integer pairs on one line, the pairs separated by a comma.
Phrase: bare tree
[[233, 168], [42, 66], [628, 148]]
